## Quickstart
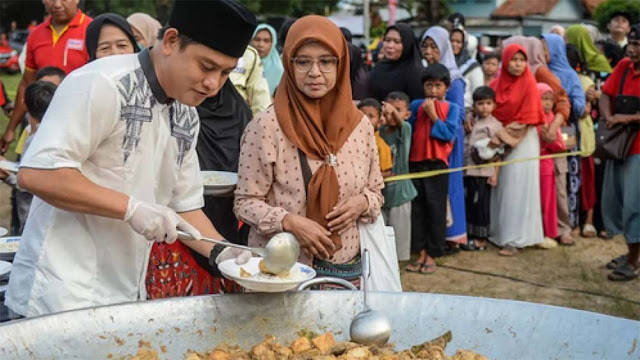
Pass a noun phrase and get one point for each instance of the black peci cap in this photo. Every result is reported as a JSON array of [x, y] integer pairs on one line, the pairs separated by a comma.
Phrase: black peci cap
[[223, 25]]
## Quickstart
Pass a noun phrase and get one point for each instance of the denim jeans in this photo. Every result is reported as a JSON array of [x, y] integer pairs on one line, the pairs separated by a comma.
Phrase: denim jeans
[[621, 198]]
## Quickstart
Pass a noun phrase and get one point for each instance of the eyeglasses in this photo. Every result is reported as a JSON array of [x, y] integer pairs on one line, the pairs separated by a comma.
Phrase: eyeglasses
[[326, 64]]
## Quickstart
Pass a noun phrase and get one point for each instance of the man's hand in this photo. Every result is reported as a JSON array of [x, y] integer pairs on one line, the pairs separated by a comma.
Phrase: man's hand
[[313, 238], [430, 108], [157, 222], [7, 138], [8, 109]]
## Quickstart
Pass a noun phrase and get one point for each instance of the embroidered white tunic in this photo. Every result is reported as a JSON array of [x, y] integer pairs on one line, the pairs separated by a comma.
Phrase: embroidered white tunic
[[110, 120]]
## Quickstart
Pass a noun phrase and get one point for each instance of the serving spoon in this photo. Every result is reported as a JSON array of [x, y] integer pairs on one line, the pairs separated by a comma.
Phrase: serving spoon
[[369, 327], [280, 254]]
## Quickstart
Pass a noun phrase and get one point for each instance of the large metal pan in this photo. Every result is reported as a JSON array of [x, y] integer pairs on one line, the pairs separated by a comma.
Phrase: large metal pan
[[499, 329]]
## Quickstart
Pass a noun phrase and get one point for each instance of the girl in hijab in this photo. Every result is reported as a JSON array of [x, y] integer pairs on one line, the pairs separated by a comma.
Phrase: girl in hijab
[[109, 34], [578, 35], [145, 29], [436, 48], [400, 70], [309, 164], [465, 51], [515, 205], [265, 40], [567, 176]]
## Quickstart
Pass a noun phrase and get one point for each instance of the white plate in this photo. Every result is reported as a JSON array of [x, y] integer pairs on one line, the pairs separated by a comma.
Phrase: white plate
[[9, 165], [220, 182], [3, 231], [5, 267], [299, 274], [9, 245]]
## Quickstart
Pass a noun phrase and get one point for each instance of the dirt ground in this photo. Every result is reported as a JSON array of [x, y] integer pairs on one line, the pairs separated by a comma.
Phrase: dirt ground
[[573, 277]]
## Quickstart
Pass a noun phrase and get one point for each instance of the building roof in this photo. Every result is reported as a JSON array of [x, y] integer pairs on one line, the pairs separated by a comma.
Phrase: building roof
[[590, 5], [521, 8]]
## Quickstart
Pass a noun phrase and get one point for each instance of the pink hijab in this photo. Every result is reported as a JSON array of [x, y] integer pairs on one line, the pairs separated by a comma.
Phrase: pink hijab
[[535, 50]]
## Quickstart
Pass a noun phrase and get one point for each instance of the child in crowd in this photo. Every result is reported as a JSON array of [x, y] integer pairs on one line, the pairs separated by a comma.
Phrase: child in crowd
[[398, 194], [373, 109], [37, 97], [490, 66], [433, 132], [548, 199], [478, 182]]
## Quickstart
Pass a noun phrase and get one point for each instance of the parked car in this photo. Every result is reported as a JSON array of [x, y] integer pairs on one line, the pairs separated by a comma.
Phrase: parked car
[[9, 59], [17, 39]]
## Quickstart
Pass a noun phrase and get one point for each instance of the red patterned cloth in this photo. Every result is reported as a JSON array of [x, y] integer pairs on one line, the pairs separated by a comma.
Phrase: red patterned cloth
[[173, 272]]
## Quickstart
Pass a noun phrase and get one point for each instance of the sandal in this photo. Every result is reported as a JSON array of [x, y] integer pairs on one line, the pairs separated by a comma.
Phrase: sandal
[[471, 245], [617, 262], [624, 273], [508, 251], [415, 266], [589, 231], [427, 269], [605, 235], [566, 240]]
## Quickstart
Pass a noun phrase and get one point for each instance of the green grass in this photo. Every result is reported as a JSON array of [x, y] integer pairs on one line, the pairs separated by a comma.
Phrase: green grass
[[11, 85]]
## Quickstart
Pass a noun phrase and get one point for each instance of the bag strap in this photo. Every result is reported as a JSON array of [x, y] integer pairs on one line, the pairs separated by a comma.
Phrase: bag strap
[[624, 78], [306, 170]]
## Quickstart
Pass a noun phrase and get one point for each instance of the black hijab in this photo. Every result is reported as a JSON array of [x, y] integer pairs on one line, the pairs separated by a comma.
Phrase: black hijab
[[403, 74], [93, 32], [222, 121]]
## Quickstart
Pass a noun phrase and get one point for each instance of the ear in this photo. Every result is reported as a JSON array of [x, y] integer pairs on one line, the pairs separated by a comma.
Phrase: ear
[[170, 41], [406, 114]]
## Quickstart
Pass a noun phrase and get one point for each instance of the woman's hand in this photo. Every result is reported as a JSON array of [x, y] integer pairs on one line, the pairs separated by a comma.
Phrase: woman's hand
[[346, 212], [313, 238]]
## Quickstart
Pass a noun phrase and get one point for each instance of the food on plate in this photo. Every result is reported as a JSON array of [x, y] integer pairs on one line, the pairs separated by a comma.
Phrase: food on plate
[[310, 346], [263, 269], [217, 179], [9, 247], [244, 273]]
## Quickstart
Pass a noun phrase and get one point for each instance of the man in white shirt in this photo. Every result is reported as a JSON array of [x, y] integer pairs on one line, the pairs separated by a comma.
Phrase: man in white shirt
[[118, 164]]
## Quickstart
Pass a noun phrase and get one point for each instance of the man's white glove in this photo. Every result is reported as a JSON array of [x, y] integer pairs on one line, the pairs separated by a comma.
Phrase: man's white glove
[[241, 256], [156, 222]]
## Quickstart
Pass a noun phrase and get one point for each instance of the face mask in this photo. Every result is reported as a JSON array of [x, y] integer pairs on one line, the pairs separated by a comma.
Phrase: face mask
[[140, 46]]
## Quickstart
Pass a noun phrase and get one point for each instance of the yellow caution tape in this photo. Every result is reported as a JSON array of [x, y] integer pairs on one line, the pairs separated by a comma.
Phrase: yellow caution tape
[[426, 174]]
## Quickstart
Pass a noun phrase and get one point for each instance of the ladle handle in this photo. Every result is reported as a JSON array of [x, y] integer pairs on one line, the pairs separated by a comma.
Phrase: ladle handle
[[186, 236], [366, 273]]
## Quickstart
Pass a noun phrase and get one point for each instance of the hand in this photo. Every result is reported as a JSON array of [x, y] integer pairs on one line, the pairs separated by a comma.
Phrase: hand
[[8, 109], [495, 142], [548, 135], [615, 119], [157, 222], [430, 108], [493, 180], [345, 213], [469, 123], [313, 238], [389, 114], [241, 256], [7, 138]]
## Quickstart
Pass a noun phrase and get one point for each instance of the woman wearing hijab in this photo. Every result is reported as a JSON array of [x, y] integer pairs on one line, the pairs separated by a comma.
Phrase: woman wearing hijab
[[465, 51], [568, 176], [145, 29], [401, 69], [109, 34], [515, 205], [578, 35], [436, 48], [313, 135], [359, 74], [265, 40]]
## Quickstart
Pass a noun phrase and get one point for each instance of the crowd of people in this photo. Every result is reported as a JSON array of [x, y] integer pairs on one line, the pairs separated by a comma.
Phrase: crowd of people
[[317, 139]]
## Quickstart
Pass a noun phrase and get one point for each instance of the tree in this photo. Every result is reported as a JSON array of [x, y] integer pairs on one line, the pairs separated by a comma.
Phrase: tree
[[433, 10], [120, 7], [603, 12], [295, 8]]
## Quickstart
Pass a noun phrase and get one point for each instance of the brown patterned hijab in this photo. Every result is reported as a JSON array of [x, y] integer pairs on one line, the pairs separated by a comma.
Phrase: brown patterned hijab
[[318, 127]]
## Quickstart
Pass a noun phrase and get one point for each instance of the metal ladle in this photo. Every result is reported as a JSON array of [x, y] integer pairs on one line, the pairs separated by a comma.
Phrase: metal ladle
[[280, 254], [369, 327]]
